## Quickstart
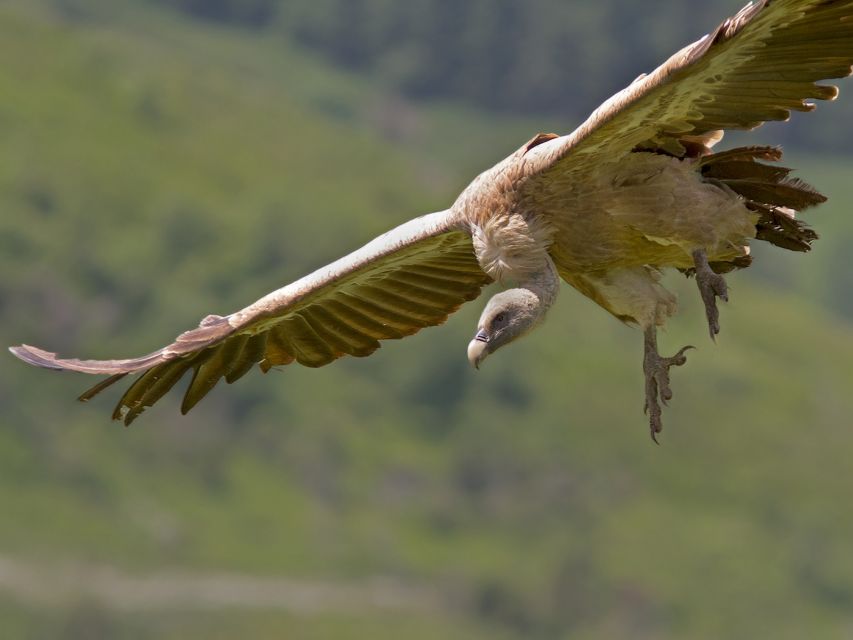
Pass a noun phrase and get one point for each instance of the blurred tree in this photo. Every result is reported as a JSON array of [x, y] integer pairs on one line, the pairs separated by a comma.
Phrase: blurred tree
[[253, 13]]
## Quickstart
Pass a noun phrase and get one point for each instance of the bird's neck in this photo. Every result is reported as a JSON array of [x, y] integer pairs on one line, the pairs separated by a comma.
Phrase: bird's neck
[[543, 283]]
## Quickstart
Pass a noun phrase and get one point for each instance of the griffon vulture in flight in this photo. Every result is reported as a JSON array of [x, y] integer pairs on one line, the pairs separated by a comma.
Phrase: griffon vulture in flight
[[634, 190]]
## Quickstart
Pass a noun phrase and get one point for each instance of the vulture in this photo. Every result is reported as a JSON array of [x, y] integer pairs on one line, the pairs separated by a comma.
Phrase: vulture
[[637, 188]]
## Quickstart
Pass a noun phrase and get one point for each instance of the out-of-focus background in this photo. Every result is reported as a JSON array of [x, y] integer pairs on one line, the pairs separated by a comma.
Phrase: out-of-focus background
[[162, 160]]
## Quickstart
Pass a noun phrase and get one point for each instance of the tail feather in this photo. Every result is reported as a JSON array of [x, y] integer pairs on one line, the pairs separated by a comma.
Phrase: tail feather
[[791, 194], [745, 170], [779, 227], [769, 191]]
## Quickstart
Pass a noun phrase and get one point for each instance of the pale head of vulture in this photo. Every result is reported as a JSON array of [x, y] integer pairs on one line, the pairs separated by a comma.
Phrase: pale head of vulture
[[508, 315]]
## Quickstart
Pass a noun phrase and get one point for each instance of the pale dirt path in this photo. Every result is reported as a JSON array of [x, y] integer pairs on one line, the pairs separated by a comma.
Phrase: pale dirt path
[[66, 583]]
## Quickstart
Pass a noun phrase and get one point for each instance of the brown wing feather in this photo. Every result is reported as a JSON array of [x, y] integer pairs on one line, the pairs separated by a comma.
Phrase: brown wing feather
[[410, 278], [755, 67]]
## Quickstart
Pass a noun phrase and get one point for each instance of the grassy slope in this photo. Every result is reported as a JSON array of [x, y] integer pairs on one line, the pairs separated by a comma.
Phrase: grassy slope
[[156, 174]]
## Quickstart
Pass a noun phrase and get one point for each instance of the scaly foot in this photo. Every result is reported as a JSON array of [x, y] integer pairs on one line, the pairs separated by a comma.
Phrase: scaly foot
[[711, 286], [656, 369]]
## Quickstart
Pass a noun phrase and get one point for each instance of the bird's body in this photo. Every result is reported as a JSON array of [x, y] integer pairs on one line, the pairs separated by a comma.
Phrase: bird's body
[[643, 210], [636, 189], [648, 209]]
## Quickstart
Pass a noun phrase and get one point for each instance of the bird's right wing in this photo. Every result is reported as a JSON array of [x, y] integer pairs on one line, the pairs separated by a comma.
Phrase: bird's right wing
[[412, 277]]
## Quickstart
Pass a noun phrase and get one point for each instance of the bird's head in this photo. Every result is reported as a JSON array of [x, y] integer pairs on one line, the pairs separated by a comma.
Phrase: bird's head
[[508, 315]]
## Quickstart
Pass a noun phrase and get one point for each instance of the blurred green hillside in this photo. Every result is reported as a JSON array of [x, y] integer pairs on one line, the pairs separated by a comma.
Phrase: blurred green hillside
[[157, 166]]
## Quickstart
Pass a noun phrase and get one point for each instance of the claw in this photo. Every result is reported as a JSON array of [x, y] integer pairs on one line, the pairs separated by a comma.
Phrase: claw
[[679, 358]]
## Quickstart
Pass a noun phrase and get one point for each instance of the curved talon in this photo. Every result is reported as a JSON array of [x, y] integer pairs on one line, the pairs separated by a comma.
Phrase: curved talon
[[679, 358]]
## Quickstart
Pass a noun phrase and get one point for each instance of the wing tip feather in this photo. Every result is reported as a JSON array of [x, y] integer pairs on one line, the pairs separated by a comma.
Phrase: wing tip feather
[[36, 357], [91, 392]]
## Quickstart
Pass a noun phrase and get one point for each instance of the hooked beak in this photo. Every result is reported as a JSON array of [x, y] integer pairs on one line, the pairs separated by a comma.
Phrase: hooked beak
[[477, 348]]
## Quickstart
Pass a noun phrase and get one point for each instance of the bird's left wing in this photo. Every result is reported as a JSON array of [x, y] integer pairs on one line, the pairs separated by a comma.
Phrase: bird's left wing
[[755, 67], [412, 277]]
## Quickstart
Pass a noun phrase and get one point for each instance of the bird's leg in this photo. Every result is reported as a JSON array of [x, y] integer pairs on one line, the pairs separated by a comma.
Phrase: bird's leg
[[656, 369], [711, 286]]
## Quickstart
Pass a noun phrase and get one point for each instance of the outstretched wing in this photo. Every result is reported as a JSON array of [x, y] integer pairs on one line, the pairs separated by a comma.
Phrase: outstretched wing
[[755, 67], [412, 277]]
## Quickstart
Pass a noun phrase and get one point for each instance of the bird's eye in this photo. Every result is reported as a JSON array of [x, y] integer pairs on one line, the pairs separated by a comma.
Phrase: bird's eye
[[500, 317]]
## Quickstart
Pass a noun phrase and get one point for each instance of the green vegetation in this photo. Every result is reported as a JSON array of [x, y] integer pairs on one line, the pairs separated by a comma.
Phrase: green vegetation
[[504, 56], [155, 169]]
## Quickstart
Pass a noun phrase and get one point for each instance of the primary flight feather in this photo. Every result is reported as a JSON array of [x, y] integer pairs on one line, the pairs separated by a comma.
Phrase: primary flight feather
[[635, 189]]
